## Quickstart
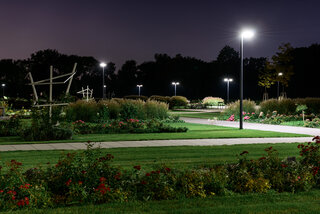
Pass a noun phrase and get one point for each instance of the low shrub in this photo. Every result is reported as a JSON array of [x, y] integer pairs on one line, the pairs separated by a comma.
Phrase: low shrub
[[312, 103], [10, 127], [45, 128], [212, 101], [178, 101]]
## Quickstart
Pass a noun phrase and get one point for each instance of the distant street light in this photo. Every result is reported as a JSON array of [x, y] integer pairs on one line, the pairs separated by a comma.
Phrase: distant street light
[[245, 34], [3, 85], [228, 80], [102, 64], [279, 75], [175, 87], [139, 86]]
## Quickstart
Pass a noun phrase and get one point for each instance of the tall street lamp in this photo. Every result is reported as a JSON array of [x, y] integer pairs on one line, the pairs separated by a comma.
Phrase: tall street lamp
[[175, 87], [227, 80], [279, 75], [3, 85], [139, 86], [245, 34], [102, 64]]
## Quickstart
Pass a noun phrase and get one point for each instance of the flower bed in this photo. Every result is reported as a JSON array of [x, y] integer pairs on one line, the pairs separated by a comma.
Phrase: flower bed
[[90, 178]]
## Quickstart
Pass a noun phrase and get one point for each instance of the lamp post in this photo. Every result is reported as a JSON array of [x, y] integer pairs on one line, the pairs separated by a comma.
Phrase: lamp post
[[139, 86], [102, 64], [245, 34], [175, 87], [3, 85], [279, 75], [227, 80]]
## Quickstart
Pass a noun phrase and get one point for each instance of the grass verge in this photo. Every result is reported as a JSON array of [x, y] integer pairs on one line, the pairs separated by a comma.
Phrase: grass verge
[[304, 202], [196, 131]]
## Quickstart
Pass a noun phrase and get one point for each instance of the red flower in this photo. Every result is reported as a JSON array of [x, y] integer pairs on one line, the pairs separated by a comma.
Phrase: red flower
[[262, 158], [1, 191], [80, 182], [102, 179], [138, 167], [244, 152], [284, 165], [83, 172], [117, 176], [143, 182], [167, 169], [68, 182], [148, 174]]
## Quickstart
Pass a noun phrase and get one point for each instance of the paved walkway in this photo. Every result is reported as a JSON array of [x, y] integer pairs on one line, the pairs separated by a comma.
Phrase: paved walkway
[[152, 143], [257, 126], [188, 142]]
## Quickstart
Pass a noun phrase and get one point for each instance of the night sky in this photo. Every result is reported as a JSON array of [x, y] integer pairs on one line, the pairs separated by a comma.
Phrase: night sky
[[120, 30]]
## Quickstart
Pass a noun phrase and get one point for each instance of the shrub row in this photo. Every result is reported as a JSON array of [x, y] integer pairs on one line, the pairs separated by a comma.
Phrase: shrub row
[[288, 106], [90, 178], [116, 109]]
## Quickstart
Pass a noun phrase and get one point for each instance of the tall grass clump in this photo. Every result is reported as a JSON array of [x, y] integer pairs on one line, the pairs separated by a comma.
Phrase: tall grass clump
[[178, 101], [156, 110], [82, 110], [234, 107], [285, 106], [132, 109], [113, 107]]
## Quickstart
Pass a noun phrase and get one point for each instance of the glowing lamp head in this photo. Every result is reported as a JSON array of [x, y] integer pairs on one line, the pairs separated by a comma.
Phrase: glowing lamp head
[[3, 85], [139, 86], [102, 64], [280, 74], [247, 34]]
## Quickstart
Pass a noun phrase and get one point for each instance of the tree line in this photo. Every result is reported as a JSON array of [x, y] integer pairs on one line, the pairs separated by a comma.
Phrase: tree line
[[300, 69]]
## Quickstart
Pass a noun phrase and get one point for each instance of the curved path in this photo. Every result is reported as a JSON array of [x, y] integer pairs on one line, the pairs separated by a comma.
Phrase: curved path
[[257, 126], [188, 142]]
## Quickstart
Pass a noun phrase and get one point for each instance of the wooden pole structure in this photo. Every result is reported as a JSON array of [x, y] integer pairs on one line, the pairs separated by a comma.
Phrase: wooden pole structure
[[50, 95], [71, 77], [33, 88]]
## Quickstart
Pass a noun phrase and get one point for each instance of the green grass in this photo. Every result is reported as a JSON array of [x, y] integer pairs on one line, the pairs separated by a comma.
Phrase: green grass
[[304, 202], [196, 131], [181, 157]]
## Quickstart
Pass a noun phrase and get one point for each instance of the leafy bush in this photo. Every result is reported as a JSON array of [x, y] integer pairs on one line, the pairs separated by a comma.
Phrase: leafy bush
[[19, 103], [212, 101], [314, 123], [10, 127], [44, 128], [234, 108], [178, 101], [285, 106], [313, 104]]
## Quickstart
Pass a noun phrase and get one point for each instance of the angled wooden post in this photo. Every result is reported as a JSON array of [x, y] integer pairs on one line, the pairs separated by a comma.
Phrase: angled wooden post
[[71, 77], [33, 87]]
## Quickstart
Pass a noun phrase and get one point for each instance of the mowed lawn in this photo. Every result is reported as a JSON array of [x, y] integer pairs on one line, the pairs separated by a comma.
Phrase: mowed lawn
[[180, 157], [196, 131], [184, 158], [269, 203]]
